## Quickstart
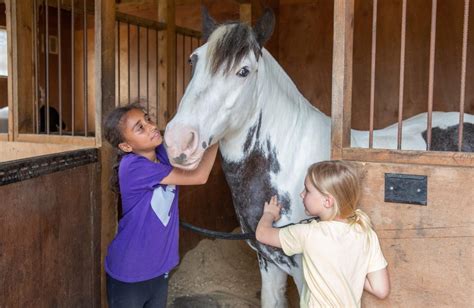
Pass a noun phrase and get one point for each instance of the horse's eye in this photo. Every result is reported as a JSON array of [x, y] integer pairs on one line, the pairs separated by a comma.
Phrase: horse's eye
[[190, 62], [243, 72]]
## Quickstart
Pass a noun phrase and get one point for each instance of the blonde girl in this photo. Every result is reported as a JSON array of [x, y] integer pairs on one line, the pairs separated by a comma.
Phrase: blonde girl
[[341, 253]]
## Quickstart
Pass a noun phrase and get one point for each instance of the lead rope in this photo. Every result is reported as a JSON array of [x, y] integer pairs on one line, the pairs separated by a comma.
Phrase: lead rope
[[233, 236]]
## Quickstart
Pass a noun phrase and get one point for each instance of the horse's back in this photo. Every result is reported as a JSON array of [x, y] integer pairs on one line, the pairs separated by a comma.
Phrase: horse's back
[[445, 130]]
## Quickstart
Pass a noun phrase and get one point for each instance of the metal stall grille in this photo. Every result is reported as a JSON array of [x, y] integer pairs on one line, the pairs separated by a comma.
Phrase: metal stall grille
[[450, 53], [402, 60], [63, 42], [137, 62]]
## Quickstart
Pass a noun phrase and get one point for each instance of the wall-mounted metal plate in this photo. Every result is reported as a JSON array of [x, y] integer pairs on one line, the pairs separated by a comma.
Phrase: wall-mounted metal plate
[[406, 188]]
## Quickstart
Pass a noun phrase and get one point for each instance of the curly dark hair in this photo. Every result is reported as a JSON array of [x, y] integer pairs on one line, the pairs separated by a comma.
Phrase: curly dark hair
[[113, 126]]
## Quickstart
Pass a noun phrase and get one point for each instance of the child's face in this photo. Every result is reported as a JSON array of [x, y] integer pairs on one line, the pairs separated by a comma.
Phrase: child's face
[[140, 133], [313, 200]]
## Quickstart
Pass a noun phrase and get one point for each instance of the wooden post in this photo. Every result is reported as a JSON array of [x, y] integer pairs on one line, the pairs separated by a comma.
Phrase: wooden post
[[10, 55], [342, 76], [21, 75], [167, 63], [246, 13], [104, 219]]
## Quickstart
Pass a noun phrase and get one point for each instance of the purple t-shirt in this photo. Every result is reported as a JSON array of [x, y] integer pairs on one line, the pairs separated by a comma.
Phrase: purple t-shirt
[[146, 244]]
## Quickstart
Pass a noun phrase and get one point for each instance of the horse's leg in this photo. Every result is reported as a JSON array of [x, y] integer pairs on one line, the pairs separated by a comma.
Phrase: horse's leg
[[273, 284], [297, 273]]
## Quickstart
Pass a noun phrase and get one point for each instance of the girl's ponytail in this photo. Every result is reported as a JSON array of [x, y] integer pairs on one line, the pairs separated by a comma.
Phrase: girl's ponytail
[[360, 218]]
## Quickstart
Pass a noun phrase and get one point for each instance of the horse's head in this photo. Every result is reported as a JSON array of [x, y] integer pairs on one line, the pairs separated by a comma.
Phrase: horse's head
[[221, 94]]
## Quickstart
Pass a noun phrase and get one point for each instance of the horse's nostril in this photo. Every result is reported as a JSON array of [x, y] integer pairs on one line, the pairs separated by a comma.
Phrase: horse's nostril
[[191, 141], [180, 159]]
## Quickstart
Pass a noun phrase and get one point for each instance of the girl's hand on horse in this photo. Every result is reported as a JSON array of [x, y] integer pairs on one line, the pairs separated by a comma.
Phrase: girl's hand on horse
[[273, 208]]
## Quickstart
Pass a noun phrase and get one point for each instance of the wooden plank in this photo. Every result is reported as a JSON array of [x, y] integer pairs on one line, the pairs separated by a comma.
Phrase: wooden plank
[[428, 248], [18, 150], [342, 76], [76, 140], [46, 234], [143, 22], [11, 58], [22, 67], [458, 159], [167, 55], [104, 223]]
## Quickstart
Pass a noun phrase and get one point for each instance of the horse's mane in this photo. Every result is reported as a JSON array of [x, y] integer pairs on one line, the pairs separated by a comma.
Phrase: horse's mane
[[229, 43]]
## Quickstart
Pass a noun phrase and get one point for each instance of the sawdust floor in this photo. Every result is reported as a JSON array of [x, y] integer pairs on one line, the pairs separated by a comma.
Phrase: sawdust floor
[[220, 273]]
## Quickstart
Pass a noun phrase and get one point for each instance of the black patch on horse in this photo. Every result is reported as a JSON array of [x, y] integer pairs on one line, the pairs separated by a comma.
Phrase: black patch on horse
[[446, 139], [249, 180]]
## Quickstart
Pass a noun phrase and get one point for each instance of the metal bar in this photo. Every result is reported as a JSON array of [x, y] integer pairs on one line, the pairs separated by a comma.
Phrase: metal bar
[[118, 64], [47, 66], [35, 46], [402, 74], [85, 102], [429, 118], [73, 71], [60, 97], [128, 62], [147, 72], [138, 63], [372, 74], [463, 74]]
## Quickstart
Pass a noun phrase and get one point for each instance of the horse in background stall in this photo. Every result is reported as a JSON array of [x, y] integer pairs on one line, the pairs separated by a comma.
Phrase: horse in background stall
[[268, 134]]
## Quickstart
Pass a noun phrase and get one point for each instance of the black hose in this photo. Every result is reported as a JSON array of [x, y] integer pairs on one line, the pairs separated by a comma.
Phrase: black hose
[[217, 234]]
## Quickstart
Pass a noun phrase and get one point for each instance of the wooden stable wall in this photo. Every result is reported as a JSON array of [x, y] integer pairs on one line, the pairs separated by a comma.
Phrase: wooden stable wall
[[428, 248], [50, 234]]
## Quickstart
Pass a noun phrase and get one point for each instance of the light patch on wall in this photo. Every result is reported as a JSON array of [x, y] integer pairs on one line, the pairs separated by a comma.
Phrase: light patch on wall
[[3, 53]]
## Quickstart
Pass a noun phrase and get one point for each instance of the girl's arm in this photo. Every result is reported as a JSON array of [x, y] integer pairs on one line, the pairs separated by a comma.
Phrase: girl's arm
[[198, 176], [378, 283], [266, 233]]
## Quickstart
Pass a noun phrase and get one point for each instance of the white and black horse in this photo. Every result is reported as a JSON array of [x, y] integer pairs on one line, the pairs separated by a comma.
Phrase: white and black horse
[[268, 134]]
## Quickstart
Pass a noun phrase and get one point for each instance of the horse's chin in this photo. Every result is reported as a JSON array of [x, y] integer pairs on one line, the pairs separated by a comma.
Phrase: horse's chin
[[188, 165]]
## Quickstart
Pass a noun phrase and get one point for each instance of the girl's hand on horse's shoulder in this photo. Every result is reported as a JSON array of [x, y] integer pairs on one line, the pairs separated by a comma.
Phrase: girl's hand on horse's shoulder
[[273, 208]]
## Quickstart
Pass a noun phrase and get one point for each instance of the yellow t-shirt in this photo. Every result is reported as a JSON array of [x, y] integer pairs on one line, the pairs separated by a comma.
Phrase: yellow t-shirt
[[336, 260]]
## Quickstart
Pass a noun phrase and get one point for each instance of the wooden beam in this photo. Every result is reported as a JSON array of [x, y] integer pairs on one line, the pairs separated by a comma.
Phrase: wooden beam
[[246, 13], [10, 56], [22, 66], [167, 63], [104, 63], [104, 218], [342, 76], [456, 159]]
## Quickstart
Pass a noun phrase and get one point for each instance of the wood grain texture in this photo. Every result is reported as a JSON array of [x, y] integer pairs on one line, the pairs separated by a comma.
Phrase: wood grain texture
[[48, 240], [428, 248]]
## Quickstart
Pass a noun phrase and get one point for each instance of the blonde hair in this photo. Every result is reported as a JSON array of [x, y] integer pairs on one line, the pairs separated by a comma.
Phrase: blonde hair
[[341, 180]]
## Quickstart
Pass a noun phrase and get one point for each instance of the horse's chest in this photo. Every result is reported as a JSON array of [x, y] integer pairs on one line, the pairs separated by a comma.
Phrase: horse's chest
[[250, 183]]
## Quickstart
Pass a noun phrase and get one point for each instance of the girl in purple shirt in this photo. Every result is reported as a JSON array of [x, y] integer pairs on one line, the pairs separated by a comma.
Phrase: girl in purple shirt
[[145, 248]]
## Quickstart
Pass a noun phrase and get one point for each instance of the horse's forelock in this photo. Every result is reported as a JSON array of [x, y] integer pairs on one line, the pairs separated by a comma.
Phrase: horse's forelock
[[229, 43]]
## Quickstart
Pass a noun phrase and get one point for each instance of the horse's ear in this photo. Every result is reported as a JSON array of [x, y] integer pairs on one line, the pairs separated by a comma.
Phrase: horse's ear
[[264, 27], [208, 24]]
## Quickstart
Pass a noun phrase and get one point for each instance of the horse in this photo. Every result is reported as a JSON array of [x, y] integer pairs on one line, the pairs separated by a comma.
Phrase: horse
[[268, 134]]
